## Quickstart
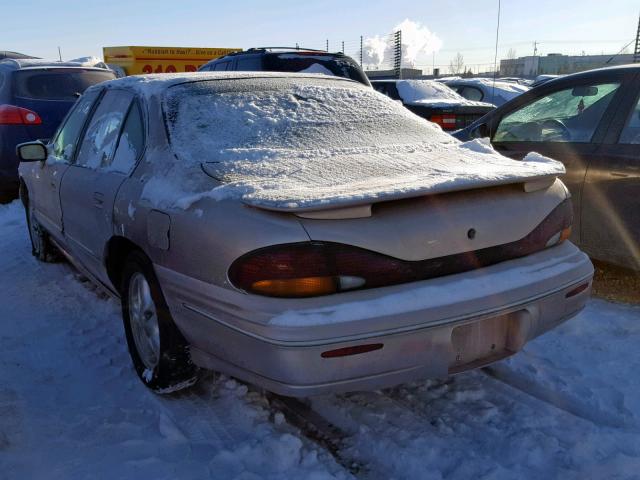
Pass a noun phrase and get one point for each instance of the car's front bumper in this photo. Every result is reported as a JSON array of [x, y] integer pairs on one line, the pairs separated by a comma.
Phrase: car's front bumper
[[278, 343]]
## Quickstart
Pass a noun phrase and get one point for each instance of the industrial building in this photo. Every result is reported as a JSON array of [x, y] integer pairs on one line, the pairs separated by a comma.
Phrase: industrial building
[[558, 64]]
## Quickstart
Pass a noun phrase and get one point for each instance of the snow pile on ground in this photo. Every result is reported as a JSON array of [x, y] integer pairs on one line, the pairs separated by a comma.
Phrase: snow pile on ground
[[306, 146], [71, 407]]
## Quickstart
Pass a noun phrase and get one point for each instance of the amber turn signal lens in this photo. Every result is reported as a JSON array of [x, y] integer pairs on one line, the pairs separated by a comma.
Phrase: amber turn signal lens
[[297, 287], [566, 233]]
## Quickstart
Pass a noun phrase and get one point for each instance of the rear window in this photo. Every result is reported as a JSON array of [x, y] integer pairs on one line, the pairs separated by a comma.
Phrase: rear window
[[315, 63], [57, 84], [210, 121]]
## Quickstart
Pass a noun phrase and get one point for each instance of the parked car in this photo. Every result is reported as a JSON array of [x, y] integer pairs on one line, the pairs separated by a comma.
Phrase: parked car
[[285, 59], [300, 232], [486, 90], [35, 95], [434, 101], [591, 122]]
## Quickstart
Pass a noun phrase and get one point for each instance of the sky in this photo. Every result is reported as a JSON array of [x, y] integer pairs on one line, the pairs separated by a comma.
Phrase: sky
[[83, 27]]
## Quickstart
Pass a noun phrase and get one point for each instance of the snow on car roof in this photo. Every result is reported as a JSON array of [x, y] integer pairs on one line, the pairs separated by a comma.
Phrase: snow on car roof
[[295, 142], [25, 63], [154, 84]]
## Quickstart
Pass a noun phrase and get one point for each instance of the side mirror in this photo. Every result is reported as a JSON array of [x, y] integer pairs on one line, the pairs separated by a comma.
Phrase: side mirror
[[481, 131], [32, 152]]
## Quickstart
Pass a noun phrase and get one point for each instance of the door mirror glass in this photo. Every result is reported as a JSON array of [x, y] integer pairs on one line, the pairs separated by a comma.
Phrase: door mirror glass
[[32, 152]]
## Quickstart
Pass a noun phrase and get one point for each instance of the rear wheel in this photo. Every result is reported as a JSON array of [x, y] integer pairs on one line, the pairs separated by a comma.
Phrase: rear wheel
[[158, 350], [41, 246]]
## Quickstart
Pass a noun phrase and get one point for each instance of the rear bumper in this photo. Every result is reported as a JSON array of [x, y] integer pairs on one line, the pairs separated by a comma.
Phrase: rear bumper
[[278, 343]]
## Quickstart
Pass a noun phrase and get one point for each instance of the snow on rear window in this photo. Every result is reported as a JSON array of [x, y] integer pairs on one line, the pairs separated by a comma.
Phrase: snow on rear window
[[414, 90], [210, 120]]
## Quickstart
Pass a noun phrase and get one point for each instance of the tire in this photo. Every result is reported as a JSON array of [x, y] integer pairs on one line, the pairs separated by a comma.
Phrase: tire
[[41, 246], [159, 352]]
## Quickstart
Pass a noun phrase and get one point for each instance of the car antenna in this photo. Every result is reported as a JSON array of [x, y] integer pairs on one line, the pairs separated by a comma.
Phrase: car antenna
[[495, 61], [619, 52]]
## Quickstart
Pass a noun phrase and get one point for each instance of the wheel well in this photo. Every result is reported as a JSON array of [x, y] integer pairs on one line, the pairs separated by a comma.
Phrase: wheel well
[[24, 193], [117, 251]]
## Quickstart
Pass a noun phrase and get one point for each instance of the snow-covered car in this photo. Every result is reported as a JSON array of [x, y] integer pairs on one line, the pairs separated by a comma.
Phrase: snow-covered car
[[434, 101], [486, 90], [301, 232]]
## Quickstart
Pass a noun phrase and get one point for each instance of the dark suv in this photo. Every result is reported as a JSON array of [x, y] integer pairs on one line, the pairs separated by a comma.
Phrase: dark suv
[[283, 59], [35, 95]]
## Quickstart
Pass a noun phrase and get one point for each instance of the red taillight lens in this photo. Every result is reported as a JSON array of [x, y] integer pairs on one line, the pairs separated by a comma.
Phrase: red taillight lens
[[311, 269], [348, 351], [447, 121], [12, 115]]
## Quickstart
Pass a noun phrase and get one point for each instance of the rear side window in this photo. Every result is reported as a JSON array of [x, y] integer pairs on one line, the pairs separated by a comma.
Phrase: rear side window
[[631, 132], [66, 139], [249, 64], [220, 67], [57, 84], [471, 93], [131, 142], [100, 137]]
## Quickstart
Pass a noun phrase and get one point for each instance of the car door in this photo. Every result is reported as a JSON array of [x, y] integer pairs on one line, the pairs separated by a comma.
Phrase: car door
[[566, 123], [91, 183], [610, 216], [45, 192]]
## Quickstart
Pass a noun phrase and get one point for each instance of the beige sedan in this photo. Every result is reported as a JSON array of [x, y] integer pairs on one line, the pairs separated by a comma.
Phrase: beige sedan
[[300, 232]]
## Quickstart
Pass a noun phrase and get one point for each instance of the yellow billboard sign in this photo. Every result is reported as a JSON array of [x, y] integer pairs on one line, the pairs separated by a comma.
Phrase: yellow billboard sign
[[139, 60]]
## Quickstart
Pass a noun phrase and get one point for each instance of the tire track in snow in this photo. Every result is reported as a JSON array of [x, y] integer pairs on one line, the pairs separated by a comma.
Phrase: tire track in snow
[[571, 405]]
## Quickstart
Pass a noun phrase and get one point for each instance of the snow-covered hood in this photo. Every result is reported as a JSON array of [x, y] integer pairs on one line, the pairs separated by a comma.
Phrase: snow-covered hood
[[315, 180]]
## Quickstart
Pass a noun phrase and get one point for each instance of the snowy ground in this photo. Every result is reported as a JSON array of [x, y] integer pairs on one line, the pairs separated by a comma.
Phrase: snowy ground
[[71, 408]]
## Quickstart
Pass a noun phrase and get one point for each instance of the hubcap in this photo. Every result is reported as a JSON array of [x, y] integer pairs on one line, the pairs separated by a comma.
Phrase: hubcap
[[144, 321]]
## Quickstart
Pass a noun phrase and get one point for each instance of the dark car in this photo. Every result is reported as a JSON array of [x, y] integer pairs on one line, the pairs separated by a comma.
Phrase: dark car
[[434, 101], [35, 95], [591, 122], [276, 59]]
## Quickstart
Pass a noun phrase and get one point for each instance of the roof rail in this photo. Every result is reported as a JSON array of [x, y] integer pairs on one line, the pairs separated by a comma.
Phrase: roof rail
[[286, 48]]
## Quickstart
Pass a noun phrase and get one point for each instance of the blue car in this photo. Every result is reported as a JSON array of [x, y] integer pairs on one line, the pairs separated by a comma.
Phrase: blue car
[[35, 95]]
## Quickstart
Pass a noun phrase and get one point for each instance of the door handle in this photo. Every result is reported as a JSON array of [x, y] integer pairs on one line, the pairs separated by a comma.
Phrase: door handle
[[98, 199], [619, 174]]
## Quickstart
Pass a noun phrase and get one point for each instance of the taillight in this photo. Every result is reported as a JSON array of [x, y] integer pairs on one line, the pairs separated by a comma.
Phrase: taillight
[[447, 120], [12, 115], [309, 269]]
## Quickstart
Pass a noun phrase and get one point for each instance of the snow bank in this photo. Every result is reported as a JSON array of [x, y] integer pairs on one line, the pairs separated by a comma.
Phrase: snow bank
[[307, 145]]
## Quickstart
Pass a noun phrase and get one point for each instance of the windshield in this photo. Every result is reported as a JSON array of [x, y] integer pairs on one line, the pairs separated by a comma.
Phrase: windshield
[[207, 120], [315, 63], [58, 84]]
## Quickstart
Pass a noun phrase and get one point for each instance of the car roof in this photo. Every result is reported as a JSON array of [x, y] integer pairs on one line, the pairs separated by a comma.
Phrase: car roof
[[149, 85], [279, 51], [33, 64]]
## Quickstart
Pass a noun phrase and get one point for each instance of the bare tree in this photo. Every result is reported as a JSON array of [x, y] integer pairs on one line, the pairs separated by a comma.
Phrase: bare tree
[[511, 54], [456, 66]]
